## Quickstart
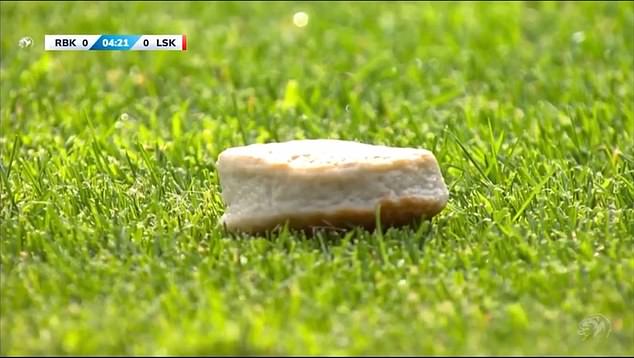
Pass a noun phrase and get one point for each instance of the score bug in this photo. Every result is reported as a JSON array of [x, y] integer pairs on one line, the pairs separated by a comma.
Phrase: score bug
[[115, 43]]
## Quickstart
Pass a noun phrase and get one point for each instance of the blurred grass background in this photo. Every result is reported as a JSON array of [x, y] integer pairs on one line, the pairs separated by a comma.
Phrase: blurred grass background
[[110, 197]]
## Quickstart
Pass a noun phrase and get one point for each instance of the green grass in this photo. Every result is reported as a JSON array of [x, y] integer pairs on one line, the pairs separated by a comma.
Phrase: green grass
[[110, 197]]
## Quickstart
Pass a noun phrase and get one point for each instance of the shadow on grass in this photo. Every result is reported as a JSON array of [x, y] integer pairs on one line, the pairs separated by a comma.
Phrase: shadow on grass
[[418, 233]]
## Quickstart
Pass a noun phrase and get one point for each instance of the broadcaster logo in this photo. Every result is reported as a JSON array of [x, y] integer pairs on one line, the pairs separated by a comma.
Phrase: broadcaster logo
[[594, 326]]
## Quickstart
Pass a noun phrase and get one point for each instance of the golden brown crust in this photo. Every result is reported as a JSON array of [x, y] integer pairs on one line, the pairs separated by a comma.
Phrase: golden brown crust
[[255, 164], [397, 213]]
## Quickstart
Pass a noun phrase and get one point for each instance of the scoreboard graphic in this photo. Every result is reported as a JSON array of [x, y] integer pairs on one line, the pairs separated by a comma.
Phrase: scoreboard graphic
[[115, 43]]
